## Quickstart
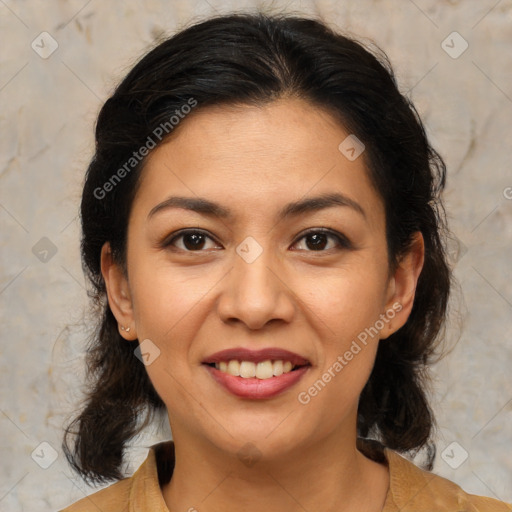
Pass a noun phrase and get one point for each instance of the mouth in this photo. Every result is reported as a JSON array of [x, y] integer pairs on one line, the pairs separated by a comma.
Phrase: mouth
[[256, 374], [261, 364], [267, 369]]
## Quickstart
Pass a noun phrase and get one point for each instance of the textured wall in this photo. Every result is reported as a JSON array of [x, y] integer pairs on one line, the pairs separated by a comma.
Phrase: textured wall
[[49, 102]]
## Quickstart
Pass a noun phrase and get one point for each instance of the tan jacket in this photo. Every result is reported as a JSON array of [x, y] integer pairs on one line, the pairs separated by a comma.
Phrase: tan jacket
[[410, 490]]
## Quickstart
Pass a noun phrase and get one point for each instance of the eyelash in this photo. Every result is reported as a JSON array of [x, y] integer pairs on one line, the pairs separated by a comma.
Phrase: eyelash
[[342, 241]]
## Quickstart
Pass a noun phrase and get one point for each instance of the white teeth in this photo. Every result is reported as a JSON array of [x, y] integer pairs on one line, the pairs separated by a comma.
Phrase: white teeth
[[277, 368], [234, 368], [247, 369], [262, 370]]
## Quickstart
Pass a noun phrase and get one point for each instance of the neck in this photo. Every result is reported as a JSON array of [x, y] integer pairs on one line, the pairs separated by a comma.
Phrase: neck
[[328, 476]]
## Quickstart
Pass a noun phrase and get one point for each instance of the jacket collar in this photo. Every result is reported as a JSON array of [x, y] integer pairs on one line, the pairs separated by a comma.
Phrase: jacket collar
[[411, 489]]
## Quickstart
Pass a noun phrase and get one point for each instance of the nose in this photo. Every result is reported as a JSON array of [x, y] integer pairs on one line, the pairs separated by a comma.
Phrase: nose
[[256, 293]]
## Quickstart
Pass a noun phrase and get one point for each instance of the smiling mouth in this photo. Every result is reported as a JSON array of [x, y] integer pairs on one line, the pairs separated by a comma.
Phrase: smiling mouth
[[268, 369]]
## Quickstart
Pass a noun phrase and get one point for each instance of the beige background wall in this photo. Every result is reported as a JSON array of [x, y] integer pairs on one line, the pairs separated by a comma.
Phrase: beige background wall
[[48, 108]]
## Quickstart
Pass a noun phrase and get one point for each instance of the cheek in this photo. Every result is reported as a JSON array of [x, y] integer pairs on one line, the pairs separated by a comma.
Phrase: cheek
[[165, 305], [346, 301], [345, 310], [163, 297]]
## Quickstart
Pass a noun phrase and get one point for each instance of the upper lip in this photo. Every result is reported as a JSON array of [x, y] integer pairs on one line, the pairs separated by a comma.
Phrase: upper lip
[[256, 356]]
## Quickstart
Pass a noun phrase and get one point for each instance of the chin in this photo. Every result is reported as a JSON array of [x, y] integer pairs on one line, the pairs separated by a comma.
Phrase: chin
[[267, 440]]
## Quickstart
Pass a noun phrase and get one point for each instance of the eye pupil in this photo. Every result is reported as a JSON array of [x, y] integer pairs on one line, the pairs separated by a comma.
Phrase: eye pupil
[[319, 241], [196, 238]]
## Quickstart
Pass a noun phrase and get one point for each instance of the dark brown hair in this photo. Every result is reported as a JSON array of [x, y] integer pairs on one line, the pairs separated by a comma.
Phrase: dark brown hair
[[254, 59]]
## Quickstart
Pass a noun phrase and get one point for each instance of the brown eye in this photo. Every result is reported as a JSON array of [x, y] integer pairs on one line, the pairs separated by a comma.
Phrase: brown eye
[[318, 240], [192, 240]]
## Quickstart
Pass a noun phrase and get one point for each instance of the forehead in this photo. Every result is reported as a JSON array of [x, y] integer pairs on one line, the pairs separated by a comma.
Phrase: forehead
[[256, 156]]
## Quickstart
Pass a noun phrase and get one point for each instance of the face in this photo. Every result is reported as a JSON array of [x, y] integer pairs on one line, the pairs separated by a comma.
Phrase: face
[[276, 251]]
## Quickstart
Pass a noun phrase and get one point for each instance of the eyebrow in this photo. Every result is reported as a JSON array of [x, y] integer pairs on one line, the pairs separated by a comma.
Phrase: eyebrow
[[210, 208]]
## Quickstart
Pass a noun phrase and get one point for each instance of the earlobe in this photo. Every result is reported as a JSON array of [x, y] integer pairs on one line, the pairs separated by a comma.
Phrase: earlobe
[[402, 285], [118, 293]]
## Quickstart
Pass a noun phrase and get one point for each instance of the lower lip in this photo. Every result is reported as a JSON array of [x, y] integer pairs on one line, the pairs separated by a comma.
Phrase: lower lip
[[254, 388]]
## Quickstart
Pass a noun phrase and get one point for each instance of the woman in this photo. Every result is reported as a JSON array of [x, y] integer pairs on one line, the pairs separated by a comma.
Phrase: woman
[[263, 228]]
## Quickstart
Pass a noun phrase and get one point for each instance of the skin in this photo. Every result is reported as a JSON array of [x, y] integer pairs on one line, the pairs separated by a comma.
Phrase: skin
[[254, 160]]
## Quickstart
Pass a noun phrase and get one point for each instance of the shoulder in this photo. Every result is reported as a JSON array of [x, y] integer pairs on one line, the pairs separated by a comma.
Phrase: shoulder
[[114, 498], [413, 489], [141, 491]]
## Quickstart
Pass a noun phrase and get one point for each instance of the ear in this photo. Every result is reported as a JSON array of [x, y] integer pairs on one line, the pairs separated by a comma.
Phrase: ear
[[118, 293], [402, 286]]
